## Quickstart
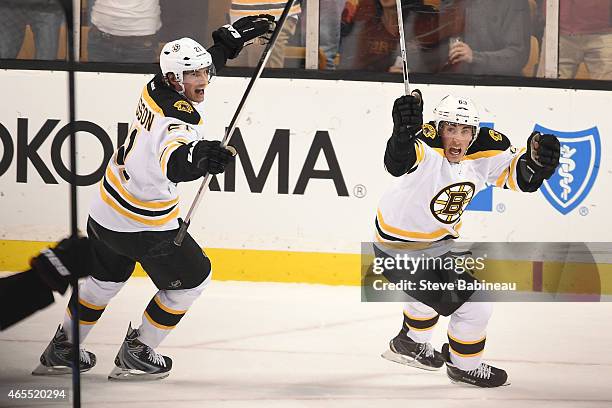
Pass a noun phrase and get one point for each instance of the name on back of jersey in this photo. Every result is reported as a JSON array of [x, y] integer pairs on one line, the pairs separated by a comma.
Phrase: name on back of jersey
[[144, 115]]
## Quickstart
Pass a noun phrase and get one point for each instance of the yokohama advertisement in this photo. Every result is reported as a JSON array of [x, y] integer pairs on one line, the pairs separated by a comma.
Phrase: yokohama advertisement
[[310, 168]]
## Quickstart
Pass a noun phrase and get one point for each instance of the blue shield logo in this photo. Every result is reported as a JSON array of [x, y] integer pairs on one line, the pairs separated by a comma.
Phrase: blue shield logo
[[578, 167]]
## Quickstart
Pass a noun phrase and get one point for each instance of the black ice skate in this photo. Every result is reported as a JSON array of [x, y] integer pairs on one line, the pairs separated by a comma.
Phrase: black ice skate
[[484, 375], [137, 361], [57, 358], [404, 350]]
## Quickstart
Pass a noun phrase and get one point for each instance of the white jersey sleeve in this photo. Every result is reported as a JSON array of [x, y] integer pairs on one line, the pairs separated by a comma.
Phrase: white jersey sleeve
[[502, 159], [177, 135]]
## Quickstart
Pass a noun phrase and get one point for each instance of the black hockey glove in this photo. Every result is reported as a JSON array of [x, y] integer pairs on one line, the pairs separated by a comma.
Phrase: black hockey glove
[[407, 116], [57, 266], [539, 162], [210, 157], [243, 32], [543, 153]]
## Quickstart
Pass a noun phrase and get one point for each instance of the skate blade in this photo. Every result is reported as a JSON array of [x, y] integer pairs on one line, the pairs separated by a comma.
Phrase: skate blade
[[469, 385], [401, 359], [125, 374], [55, 370]]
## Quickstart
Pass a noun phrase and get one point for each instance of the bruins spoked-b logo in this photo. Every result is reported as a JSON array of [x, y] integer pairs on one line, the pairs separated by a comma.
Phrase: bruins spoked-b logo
[[183, 106], [448, 205], [429, 131], [495, 135]]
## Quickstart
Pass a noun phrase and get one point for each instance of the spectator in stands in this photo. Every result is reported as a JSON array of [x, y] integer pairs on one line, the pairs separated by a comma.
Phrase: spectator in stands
[[330, 16], [585, 36], [44, 18], [372, 44], [373, 41], [496, 37], [250, 56], [124, 31], [191, 20]]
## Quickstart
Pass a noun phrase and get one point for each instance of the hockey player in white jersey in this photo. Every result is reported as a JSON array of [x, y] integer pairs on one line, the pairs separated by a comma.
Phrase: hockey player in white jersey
[[134, 217], [440, 166]]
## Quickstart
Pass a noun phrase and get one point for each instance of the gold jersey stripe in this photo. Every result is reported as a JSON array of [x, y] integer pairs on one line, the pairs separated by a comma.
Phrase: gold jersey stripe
[[415, 246], [168, 150], [80, 321], [466, 342], [420, 152], [152, 104], [422, 319], [154, 323], [91, 305], [135, 217], [151, 205], [166, 156], [511, 176], [167, 309], [483, 154], [439, 150], [440, 233], [501, 180]]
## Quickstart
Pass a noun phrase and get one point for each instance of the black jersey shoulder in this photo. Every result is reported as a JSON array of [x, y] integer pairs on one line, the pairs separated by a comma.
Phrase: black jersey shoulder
[[489, 139], [430, 136], [171, 103]]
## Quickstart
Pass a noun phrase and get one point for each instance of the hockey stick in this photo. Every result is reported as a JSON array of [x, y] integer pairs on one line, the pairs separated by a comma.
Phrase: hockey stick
[[400, 24], [180, 236], [68, 7]]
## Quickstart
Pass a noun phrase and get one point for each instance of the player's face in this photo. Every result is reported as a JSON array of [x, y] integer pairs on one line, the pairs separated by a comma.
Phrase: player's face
[[195, 82], [456, 139]]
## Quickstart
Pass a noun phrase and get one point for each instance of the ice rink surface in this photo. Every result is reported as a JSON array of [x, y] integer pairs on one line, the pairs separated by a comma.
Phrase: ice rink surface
[[248, 344]]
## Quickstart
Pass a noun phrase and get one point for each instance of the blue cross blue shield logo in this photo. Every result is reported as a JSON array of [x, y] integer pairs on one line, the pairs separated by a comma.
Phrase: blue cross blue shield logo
[[577, 171]]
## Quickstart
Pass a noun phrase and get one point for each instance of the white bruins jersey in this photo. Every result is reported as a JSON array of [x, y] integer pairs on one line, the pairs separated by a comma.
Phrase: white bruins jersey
[[426, 203], [135, 193]]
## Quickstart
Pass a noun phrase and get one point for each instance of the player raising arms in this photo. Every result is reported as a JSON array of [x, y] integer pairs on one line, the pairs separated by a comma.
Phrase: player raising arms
[[134, 217], [439, 167]]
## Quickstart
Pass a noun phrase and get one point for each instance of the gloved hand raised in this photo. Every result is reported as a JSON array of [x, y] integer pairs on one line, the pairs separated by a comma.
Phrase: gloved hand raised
[[407, 116], [243, 32], [543, 151]]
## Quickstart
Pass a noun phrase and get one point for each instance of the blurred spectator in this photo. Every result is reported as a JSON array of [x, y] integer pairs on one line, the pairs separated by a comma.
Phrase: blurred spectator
[[585, 36], [44, 18], [372, 43], [330, 15], [124, 31], [191, 20], [250, 57], [496, 37]]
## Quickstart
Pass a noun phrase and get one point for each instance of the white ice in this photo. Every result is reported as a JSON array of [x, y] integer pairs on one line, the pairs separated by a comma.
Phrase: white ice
[[248, 344]]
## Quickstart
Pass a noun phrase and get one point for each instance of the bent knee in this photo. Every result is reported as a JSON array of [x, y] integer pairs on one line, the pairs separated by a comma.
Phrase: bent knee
[[197, 273]]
